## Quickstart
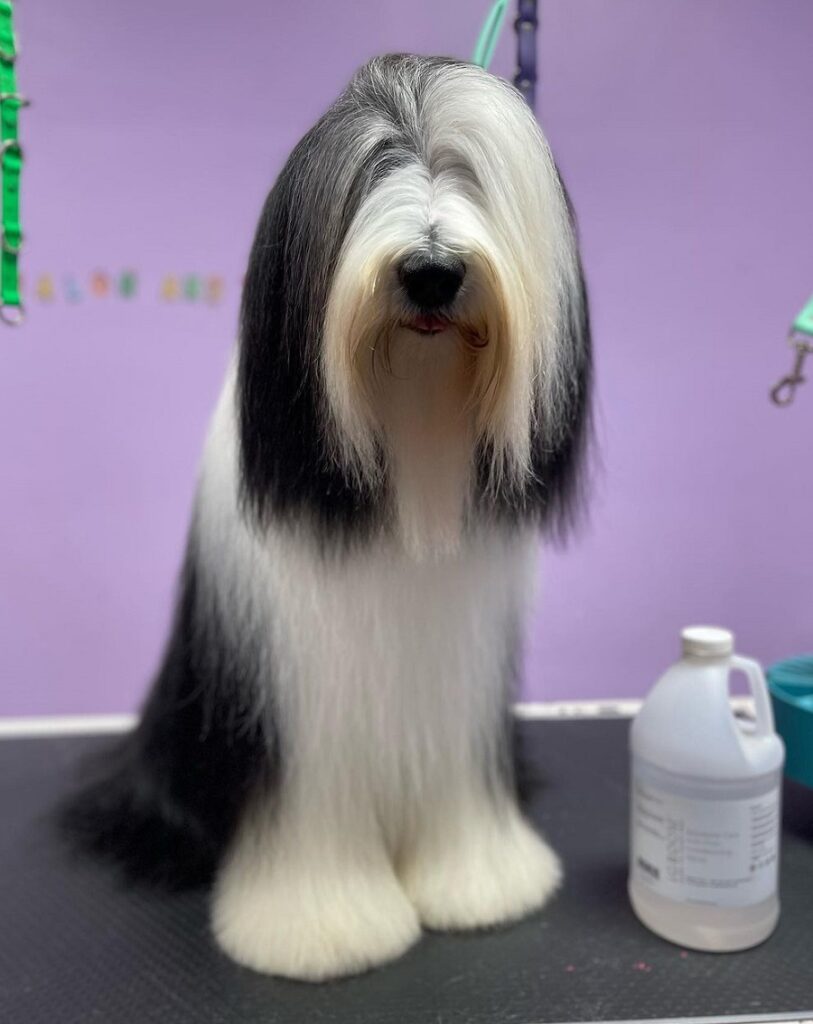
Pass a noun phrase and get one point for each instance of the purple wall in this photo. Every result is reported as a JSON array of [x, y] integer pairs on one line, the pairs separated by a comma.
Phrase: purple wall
[[683, 131]]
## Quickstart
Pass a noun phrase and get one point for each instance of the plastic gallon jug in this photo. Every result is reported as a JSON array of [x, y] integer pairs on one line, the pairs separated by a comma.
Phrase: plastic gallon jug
[[705, 803]]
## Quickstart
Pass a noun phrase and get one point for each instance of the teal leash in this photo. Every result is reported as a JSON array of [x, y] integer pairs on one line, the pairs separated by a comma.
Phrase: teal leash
[[490, 34]]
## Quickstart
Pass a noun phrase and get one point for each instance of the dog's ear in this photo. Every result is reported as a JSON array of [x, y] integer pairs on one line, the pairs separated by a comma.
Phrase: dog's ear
[[552, 492], [560, 460], [286, 466]]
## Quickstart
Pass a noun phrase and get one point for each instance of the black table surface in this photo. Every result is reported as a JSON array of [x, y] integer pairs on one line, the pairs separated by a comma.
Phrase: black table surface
[[77, 947]]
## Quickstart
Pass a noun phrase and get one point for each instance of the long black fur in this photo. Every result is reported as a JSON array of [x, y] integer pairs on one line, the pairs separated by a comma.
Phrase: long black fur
[[286, 464], [164, 802]]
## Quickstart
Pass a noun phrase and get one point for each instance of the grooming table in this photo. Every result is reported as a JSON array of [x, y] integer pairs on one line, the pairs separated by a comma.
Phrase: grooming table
[[75, 947]]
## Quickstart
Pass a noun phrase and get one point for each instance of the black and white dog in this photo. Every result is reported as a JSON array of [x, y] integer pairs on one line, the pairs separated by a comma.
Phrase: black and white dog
[[328, 737]]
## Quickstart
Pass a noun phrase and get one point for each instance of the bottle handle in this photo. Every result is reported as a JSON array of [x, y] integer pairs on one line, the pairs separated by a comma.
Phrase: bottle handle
[[759, 691]]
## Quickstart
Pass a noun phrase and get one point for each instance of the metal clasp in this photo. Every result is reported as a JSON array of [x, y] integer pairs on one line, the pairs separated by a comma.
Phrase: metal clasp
[[12, 315], [15, 97], [783, 393]]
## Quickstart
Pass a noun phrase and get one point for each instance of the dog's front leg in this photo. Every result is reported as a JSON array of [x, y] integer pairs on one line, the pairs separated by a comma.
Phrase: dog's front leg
[[308, 890], [475, 862]]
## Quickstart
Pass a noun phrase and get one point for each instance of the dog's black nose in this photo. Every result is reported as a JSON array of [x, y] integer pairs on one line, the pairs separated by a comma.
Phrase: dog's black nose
[[431, 284]]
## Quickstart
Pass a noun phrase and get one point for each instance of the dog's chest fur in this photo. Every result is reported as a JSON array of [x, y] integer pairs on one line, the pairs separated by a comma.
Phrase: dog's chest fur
[[387, 672]]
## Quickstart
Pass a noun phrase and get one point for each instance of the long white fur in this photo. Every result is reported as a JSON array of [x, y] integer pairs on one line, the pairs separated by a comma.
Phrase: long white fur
[[390, 693]]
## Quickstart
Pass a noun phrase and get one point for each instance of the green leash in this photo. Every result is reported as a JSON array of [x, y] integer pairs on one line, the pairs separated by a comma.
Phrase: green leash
[[800, 337], [11, 161], [489, 34]]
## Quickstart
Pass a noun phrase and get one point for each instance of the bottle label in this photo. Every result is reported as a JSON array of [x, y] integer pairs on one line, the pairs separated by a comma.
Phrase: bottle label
[[718, 852]]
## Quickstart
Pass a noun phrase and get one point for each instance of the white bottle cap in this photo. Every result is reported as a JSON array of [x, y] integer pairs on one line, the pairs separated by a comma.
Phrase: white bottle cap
[[707, 642]]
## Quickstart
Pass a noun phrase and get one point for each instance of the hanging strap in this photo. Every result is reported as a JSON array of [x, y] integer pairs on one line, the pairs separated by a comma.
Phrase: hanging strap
[[489, 34], [11, 159], [803, 324], [800, 337], [526, 26]]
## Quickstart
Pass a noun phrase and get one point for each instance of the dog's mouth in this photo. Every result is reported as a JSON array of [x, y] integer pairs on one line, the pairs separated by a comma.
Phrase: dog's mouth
[[427, 323], [433, 323]]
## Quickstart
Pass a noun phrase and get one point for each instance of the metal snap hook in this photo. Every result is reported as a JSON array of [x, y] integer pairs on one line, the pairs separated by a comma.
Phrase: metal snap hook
[[7, 145], [15, 97], [783, 393], [12, 315]]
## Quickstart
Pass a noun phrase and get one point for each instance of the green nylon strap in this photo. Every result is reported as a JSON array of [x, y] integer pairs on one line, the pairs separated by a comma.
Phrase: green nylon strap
[[11, 164], [803, 324]]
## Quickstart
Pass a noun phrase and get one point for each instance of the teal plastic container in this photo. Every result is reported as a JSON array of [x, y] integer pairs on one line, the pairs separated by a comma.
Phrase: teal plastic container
[[791, 686]]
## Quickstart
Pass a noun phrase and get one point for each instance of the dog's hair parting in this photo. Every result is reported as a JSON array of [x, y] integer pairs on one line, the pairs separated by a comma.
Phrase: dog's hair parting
[[328, 737]]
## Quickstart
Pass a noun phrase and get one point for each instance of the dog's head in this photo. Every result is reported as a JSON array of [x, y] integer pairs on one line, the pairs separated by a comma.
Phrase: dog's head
[[414, 327]]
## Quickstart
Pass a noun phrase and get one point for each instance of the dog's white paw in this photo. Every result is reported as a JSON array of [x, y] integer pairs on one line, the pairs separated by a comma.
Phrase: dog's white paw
[[315, 927], [493, 871]]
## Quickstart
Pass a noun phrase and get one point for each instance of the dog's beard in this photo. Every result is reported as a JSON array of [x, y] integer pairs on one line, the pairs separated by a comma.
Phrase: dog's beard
[[417, 407], [422, 395]]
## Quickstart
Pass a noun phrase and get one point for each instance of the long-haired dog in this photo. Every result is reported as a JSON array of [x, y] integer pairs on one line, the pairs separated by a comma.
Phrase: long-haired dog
[[328, 739]]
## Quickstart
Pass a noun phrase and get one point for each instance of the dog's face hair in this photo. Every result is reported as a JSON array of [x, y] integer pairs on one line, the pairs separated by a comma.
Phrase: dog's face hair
[[414, 337]]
